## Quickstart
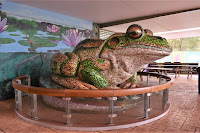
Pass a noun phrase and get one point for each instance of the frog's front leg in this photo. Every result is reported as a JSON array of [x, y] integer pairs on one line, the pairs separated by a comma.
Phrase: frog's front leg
[[89, 72], [130, 83], [72, 83]]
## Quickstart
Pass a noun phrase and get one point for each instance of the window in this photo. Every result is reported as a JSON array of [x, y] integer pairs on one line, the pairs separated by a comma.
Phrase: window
[[104, 34]]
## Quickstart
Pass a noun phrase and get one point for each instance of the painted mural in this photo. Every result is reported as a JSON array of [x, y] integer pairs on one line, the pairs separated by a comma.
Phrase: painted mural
[[18, 64], [30, 36], [34, 35]]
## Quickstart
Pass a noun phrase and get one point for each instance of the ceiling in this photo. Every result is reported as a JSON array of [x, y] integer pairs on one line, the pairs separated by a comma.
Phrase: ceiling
[[180, 25], [167, 16]]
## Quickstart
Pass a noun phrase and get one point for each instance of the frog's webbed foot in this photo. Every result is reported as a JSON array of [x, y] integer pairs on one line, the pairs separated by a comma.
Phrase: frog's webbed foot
[[128, 84], [110, 87], [73, 83]]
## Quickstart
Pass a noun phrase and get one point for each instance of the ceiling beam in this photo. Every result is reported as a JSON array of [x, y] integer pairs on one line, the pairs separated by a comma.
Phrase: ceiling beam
[[143, 18]]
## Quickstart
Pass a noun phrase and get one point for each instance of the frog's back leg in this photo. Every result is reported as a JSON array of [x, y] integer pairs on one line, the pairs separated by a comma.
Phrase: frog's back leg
[[72, 83], [65, 64], [64, 68]]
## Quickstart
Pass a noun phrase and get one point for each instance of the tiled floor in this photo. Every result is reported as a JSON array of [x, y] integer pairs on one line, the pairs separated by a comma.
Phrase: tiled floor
[[184, 115]]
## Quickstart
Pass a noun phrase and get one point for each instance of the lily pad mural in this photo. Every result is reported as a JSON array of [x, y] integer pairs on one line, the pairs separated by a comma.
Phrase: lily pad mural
[[29, 34], [14, 35], [6, 40], [40, 37]]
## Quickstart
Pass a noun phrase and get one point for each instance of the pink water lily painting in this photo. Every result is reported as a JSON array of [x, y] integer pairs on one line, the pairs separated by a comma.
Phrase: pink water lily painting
[[72, 37], [3, 25], [53, 28]]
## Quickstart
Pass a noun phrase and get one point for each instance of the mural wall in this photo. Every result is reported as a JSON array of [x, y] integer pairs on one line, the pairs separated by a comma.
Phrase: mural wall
[[30, 36], [18, 64], [26, 34]]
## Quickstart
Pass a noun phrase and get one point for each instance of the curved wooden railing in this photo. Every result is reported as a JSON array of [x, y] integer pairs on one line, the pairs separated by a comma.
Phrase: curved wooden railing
[[93, 93]]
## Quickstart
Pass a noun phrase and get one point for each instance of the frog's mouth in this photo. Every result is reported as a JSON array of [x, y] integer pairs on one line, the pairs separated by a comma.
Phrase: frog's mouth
[[148, 46], [126, 61]]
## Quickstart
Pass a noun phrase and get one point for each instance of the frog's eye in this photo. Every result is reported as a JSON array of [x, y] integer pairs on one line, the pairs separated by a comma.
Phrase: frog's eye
[[148, 32], [134, 31], [114, 41]]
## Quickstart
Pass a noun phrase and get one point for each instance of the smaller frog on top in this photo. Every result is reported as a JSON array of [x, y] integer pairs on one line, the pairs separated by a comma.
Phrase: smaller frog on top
[[111, 63]]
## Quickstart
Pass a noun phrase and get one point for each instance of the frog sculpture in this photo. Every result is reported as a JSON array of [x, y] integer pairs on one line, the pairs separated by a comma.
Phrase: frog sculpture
[[111, 63]]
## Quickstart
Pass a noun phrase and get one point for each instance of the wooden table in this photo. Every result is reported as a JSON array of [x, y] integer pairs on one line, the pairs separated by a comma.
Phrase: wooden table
[[158, 69], [175, 65], [177, 69]]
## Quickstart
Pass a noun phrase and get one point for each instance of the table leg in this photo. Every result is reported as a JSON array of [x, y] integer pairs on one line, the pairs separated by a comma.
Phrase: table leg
[[198, 70], [165, 72], [175, 72], [141, 78]]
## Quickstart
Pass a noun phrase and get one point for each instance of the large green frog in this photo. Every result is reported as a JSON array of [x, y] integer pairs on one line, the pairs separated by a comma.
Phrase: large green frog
[[111, 63]]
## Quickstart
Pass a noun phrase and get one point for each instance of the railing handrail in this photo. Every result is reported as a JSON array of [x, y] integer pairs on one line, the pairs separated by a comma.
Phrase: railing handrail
[[92, 93]]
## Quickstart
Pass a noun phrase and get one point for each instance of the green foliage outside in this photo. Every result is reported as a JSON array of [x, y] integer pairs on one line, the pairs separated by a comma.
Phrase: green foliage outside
[[185, 44]]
